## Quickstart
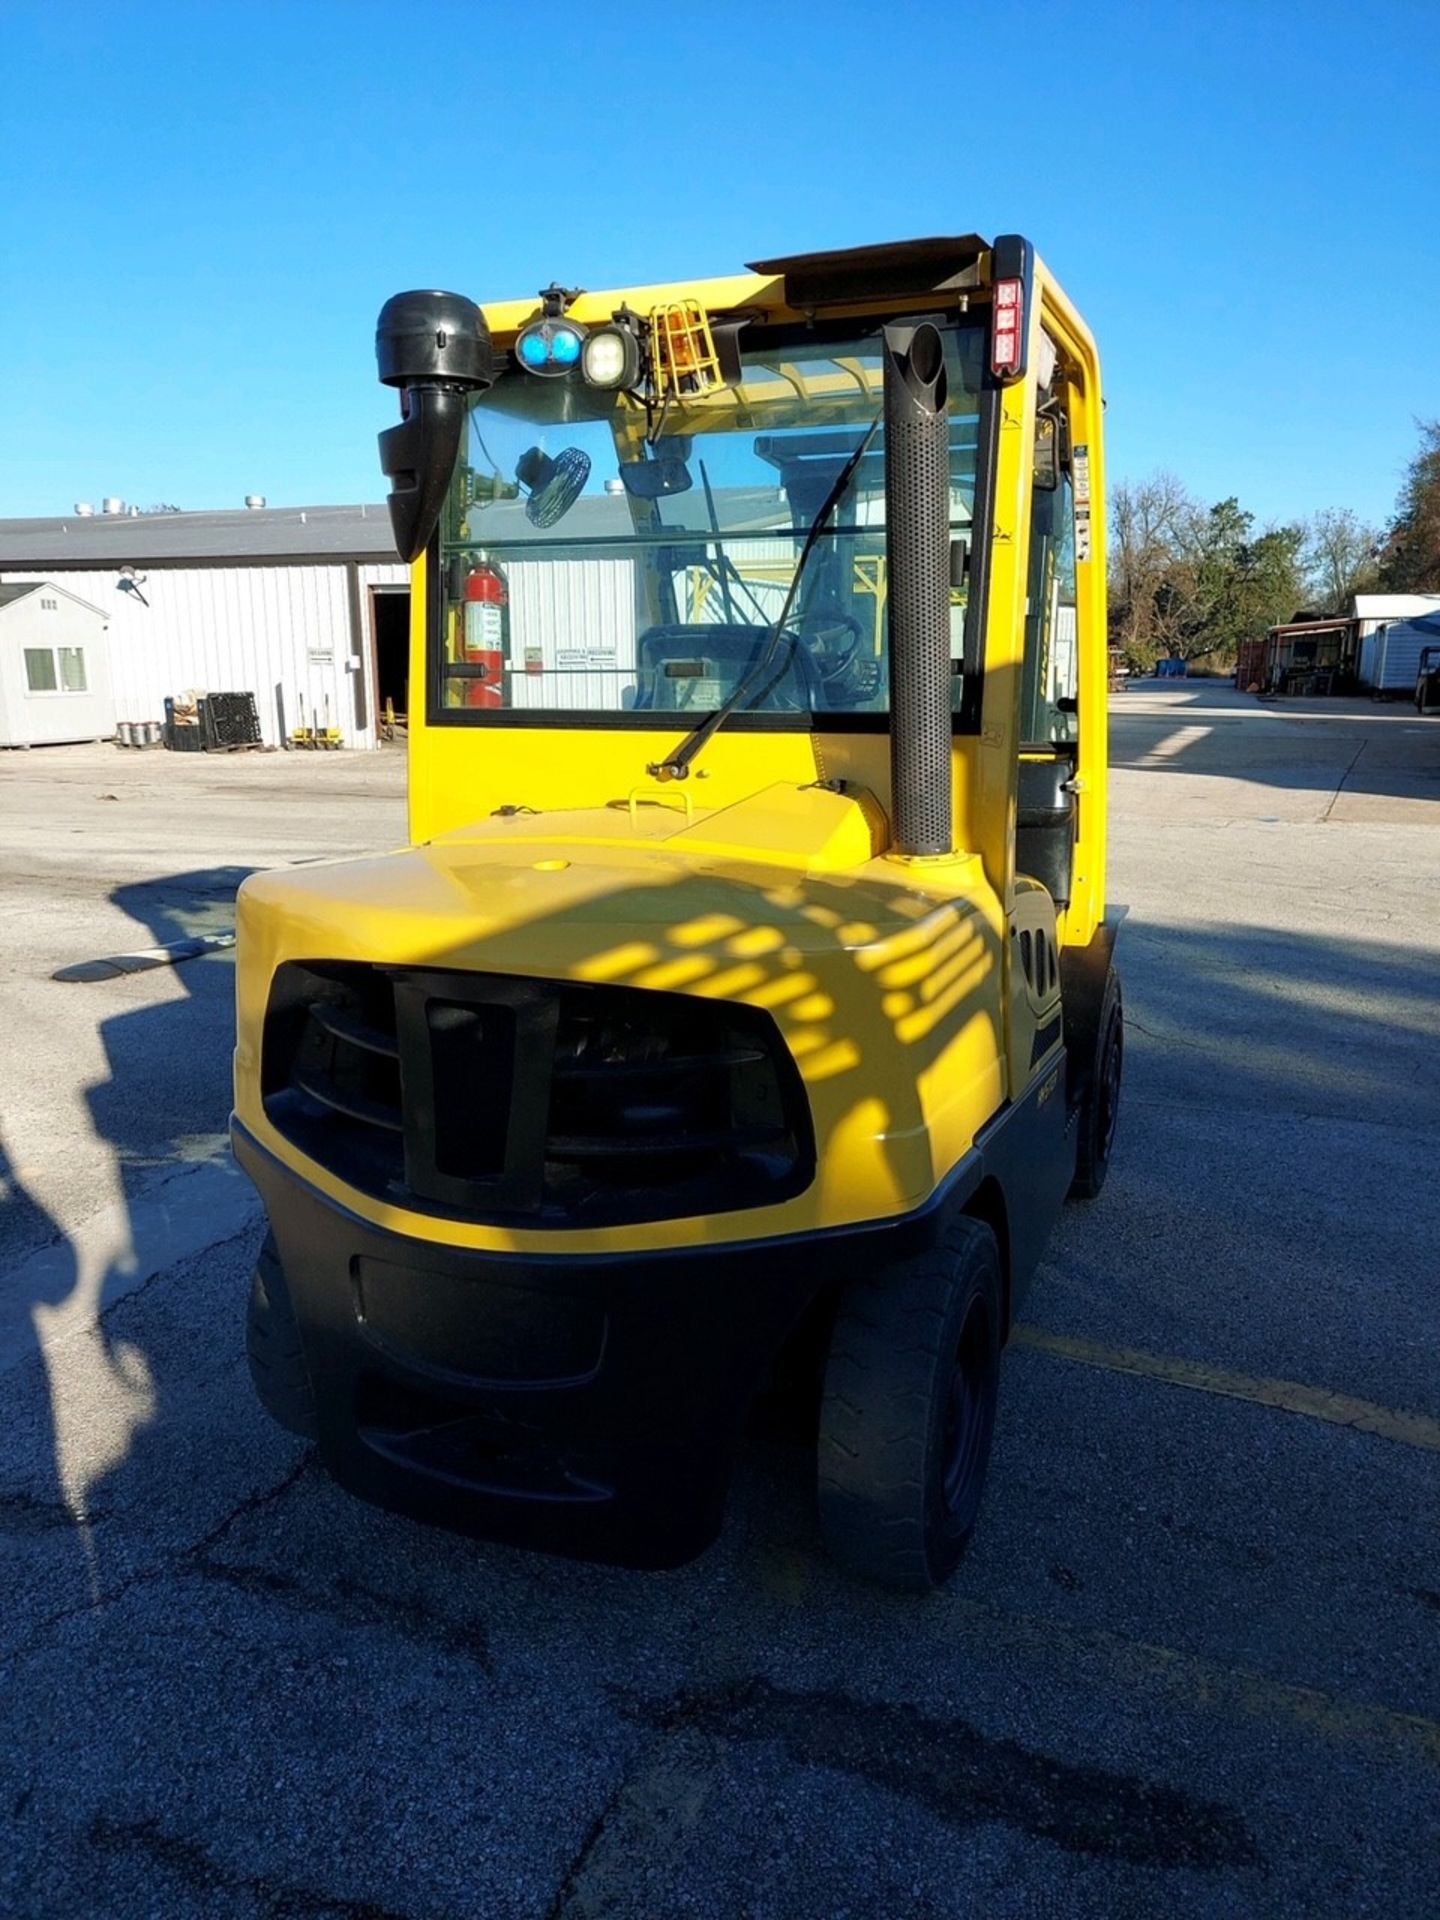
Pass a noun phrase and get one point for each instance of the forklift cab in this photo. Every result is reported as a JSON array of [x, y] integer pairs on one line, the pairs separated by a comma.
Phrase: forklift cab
[[743, 1006]]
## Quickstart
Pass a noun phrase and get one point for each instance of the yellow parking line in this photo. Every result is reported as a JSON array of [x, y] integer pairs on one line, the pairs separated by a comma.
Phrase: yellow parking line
[[1190, 1682], [1198, 1684], [1290, 1396]]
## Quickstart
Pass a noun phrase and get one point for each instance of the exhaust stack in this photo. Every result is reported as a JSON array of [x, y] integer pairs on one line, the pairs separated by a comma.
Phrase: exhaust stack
[[917, 517]]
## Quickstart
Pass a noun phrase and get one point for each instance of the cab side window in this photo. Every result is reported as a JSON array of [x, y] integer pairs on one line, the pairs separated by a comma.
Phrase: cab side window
[[1050, 676]]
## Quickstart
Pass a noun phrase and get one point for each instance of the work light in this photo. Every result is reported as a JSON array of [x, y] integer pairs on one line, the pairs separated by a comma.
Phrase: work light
[[610, 357], [550, 346]]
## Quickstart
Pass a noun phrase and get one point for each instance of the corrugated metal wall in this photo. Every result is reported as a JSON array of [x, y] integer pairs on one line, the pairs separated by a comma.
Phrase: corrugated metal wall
[[1392, 662], [573, 625], [254, 629]]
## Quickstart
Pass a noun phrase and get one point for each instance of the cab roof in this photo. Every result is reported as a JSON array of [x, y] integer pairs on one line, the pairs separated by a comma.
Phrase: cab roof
[[793, 284]]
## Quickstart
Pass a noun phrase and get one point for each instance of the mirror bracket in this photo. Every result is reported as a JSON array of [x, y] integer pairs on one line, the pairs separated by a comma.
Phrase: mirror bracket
[[418, 458]]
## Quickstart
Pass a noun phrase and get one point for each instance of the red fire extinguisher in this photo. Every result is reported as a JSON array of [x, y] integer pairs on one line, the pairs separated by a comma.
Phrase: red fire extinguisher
[[485, 615]]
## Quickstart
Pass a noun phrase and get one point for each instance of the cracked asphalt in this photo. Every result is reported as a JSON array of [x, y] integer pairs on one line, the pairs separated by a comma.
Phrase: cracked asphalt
[[1192, 1664]]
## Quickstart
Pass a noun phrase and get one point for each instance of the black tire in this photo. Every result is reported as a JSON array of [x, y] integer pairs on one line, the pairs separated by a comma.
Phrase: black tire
[[909, 1411], [1100, 1109], [272, 1343]]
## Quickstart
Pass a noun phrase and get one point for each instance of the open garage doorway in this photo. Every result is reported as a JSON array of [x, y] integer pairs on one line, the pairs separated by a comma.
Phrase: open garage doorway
[[390, 639]]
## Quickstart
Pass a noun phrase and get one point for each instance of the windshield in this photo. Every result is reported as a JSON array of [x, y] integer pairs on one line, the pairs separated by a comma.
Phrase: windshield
[[597, 560]]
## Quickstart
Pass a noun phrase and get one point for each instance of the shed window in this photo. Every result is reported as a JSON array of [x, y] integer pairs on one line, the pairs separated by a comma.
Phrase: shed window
[[40, 669], [43, 676]]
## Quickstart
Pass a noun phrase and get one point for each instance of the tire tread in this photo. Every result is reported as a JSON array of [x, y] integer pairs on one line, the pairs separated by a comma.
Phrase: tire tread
[[888, 1352]]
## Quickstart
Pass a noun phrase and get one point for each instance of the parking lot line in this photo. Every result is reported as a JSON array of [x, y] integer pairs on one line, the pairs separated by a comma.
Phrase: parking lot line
[[1290, 1396], [1189, 1681], [1195, 1683]]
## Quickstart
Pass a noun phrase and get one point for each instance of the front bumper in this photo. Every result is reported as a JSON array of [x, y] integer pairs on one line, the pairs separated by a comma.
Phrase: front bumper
[[588, 1405]]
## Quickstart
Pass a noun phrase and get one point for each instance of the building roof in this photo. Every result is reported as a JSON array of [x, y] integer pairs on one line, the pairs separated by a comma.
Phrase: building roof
[[260, 534], [180, 539], [21, 590], [1297, 628], [1394, 606]]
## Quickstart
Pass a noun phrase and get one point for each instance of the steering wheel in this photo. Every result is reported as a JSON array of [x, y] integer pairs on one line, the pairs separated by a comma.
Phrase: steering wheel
[[773, 695], [834, 623]]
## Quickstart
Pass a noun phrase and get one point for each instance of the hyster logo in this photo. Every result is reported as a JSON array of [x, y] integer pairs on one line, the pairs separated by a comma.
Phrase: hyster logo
[[1048, 1088]]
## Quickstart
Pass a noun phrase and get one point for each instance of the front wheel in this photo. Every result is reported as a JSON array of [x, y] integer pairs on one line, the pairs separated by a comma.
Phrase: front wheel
[[909, 1411]]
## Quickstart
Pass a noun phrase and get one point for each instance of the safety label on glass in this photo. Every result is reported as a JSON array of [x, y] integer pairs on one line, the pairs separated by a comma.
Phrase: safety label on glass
[[585, 659]]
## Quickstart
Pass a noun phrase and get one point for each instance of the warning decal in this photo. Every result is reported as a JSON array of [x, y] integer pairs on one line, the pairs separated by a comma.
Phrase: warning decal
[[1080, 469]]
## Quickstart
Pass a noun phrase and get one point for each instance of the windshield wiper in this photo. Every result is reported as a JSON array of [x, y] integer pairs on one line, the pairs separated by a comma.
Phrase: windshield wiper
[[677, 766]]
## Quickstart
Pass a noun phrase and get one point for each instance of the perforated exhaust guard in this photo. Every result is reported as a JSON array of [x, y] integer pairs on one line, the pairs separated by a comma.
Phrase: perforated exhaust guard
[[917, 519]]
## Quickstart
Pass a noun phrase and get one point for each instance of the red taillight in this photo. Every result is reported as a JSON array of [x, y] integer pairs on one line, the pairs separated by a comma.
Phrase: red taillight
[[1007, 338]]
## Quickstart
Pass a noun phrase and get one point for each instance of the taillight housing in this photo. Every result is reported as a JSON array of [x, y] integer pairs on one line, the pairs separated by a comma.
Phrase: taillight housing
[[1007, 332], [1012, 285]]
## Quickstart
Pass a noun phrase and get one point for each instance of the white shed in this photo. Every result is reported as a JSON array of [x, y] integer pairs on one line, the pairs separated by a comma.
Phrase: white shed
[[1390, 657], [54, 667], [1390, 641]]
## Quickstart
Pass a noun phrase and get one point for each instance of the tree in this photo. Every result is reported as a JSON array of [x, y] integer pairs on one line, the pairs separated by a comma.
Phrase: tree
[[1340, 559], [1145, 522], [1235, 583], [1410, 562]]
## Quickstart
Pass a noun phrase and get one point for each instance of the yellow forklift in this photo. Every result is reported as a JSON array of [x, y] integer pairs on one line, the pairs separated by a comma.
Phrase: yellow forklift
[[743, 1008]]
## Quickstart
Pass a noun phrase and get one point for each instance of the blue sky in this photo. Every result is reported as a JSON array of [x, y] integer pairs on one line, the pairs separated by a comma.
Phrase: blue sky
[[205, 205]]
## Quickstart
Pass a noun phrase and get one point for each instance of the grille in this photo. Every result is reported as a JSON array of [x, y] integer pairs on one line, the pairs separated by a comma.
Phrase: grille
[[493, 1098]]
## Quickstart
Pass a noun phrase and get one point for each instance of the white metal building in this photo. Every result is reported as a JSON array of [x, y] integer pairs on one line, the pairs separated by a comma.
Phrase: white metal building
[[305, 607], [54, 670], [1390, 657], [1390, 639]]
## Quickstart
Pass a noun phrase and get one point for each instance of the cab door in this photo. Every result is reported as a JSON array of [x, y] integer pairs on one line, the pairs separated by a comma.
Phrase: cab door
[[1049, 754]]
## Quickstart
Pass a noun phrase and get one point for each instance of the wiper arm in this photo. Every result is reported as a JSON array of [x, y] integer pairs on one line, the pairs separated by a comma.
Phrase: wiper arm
[[677, 767]]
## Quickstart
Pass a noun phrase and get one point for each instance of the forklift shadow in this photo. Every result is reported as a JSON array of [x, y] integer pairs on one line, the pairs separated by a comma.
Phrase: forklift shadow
[[1284, 1020], [85, 1410]]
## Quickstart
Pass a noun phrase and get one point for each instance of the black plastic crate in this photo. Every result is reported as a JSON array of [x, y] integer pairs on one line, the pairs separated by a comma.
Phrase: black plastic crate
[[230, 720]]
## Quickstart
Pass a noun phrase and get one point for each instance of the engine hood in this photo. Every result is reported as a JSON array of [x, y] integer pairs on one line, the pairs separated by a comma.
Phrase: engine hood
[[556, 893], [876, 971]]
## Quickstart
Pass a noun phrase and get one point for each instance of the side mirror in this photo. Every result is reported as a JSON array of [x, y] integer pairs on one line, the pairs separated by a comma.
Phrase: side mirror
[[435, 347], [1047, 453]]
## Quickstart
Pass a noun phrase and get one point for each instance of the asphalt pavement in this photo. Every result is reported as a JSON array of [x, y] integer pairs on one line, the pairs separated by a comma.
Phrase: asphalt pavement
[[1192, 1662]]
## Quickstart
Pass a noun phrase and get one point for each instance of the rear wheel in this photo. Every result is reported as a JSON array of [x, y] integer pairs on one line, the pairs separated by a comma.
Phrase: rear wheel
[[909, 1411], [272, 1343], [1100, 1109]]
